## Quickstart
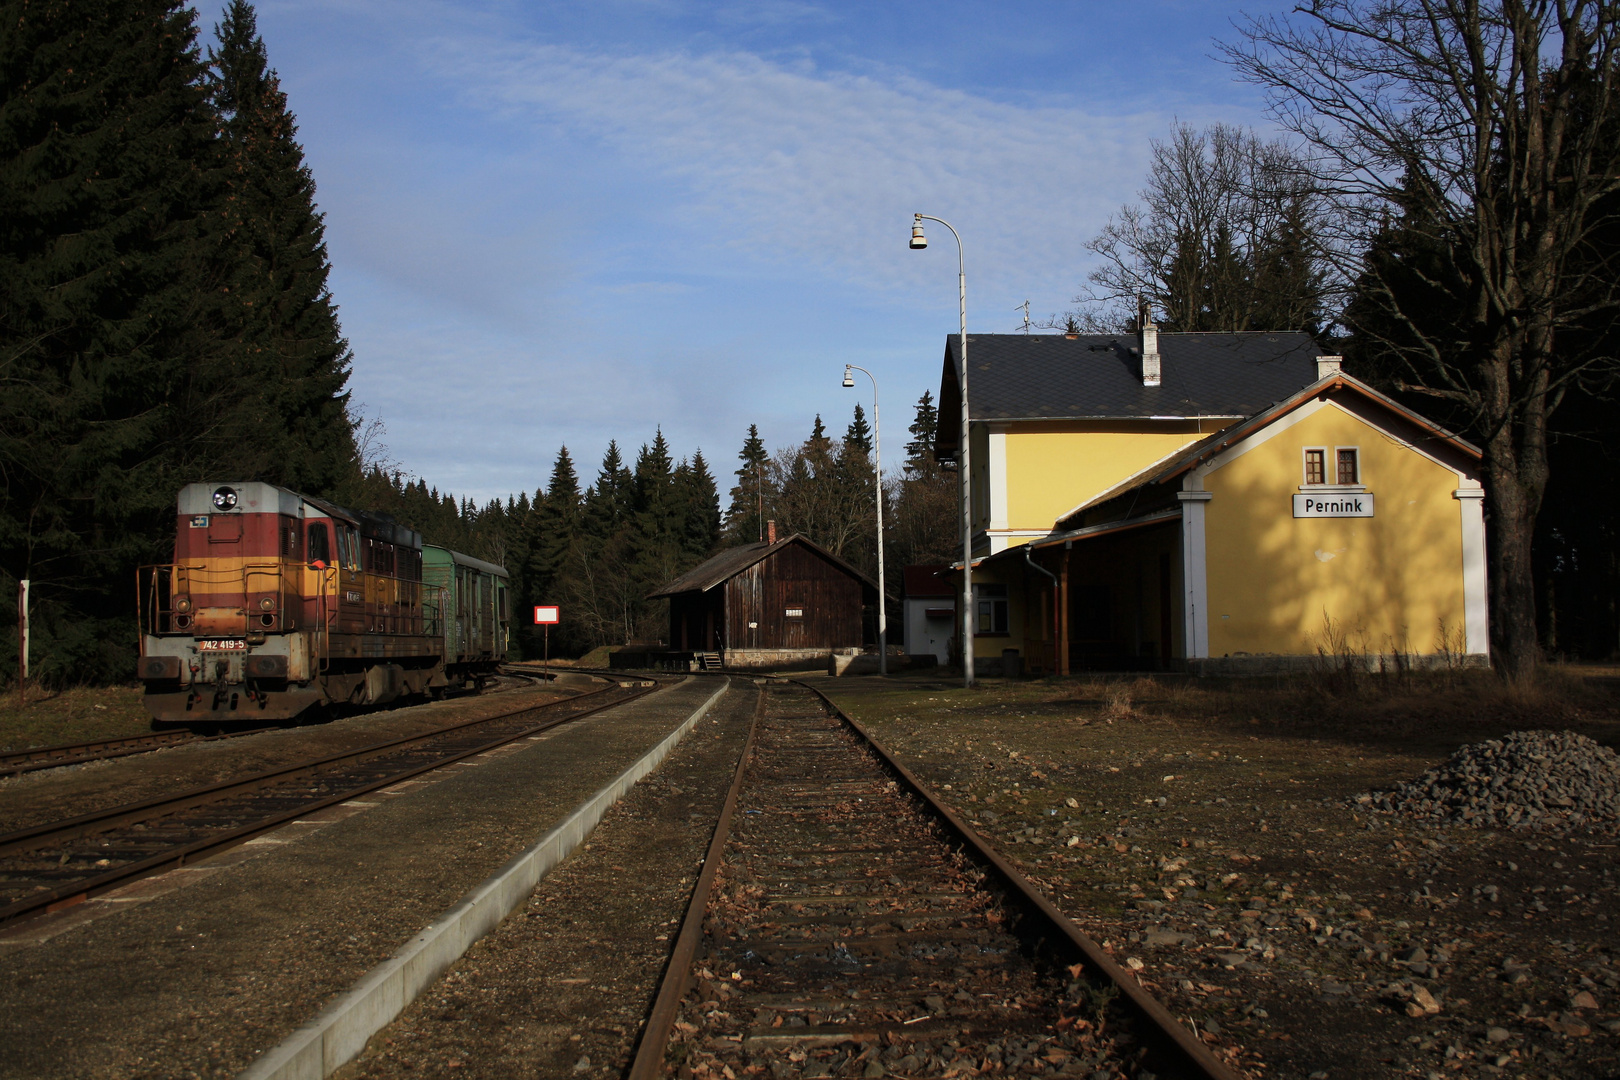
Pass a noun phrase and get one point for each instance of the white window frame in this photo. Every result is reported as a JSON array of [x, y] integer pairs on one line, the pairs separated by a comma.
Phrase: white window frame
[[1305, 466], [1330, 469], [1357, 482], [997, 597]]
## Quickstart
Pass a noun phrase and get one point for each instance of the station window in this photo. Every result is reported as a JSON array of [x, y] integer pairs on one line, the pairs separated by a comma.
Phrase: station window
[[1316, 465], [991, 613], [1349, 465]]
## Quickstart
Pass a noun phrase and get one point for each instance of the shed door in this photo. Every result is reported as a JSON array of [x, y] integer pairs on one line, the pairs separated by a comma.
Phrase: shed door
[[795, 623]]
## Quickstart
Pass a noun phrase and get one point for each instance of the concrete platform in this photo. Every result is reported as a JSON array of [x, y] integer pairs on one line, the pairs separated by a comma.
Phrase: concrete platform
[[202, 970]]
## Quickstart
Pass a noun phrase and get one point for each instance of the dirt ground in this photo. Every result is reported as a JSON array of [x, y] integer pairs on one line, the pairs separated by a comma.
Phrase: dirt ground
[[1204, 833], [80, 714]]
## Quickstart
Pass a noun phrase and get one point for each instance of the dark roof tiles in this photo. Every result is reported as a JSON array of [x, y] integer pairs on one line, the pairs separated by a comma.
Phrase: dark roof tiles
[[1051, 376]]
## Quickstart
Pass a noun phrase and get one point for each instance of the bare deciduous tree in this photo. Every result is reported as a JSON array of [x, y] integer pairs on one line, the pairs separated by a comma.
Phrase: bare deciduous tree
[[1227, 238], [1488, 125]]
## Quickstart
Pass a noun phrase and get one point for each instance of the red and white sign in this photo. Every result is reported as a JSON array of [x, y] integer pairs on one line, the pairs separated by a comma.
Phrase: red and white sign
[[546, 615]]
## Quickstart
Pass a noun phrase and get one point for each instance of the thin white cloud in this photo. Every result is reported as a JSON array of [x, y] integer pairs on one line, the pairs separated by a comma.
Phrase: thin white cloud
[[828, 165]]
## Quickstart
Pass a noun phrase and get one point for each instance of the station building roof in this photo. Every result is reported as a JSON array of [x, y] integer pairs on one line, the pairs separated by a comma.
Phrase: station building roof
[[1099, 376]]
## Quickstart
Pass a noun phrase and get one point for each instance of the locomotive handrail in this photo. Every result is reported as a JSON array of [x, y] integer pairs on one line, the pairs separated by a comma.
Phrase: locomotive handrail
[[152, 616]]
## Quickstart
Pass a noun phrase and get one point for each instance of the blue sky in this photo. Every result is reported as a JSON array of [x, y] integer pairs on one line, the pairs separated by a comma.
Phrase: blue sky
[[568, 222]]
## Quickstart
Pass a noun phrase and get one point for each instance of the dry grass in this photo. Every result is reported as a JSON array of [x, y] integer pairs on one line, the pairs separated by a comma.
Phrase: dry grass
[[78, 714], [1403, 705]]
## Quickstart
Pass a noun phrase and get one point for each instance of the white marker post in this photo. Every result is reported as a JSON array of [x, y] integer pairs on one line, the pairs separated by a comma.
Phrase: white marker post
[[546, 615], [22, 640]]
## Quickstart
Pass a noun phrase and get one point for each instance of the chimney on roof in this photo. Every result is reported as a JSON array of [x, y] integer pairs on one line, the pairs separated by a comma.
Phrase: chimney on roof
[[1327, 366], [1152, 369], [770, 532]]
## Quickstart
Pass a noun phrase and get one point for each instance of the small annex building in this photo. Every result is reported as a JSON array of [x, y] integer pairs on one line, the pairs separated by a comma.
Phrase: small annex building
[[776, 604], [928, 606], [1334, 522]]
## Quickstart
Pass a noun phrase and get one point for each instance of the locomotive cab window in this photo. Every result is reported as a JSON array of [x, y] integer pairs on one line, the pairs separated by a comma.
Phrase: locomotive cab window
[[319, 549], [349, 546]]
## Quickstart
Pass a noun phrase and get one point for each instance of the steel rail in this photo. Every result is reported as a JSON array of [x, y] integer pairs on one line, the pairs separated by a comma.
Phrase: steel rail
[[1173, 1037], [1174, 1042], [78, 891], [35, 758], [650, 1050], [15, 763]]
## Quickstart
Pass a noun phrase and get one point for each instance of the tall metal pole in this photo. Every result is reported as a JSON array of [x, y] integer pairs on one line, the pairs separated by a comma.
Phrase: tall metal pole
[[963, 461], [877, 448]]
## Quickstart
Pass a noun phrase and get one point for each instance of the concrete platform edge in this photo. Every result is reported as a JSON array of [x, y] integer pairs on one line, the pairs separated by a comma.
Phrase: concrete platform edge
[[341, 1030]]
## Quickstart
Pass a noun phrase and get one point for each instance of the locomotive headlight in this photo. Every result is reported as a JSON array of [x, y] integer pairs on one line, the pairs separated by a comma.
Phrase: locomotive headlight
[[182, 603], [267, 604], [224, 498]]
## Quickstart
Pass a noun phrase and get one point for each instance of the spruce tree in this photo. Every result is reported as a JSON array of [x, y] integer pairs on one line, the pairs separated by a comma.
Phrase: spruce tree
[[107, 168], [656, 518], [858, 439], [923, 526], [287, 361], [607, 503], [924, 426], [700, 500], [745, 523]]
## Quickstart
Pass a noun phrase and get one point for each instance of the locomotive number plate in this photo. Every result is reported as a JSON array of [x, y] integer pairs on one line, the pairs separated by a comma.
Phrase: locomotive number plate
[[223, 644]]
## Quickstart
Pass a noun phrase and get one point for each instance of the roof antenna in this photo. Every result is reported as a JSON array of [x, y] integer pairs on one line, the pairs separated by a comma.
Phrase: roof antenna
[[1025, 309]]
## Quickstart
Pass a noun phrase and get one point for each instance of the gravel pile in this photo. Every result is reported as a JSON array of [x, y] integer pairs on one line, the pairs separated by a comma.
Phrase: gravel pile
[[1545, 779]]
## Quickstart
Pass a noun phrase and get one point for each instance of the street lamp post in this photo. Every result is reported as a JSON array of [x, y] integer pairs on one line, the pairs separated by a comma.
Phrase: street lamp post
[[918, 242], [877, 450]]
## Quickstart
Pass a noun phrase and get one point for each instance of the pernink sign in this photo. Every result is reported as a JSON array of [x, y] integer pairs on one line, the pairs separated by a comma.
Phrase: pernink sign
[[1334, 505]]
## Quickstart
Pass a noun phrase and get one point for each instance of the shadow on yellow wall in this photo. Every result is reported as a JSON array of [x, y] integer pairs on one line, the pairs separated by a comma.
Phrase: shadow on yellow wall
[[1276, 581]]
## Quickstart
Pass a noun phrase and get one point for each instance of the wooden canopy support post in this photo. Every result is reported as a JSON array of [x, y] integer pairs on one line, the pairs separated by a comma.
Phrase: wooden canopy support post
[[1063, 611]]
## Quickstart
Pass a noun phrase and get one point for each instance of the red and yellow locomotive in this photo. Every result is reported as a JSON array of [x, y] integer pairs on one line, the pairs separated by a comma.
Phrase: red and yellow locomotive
[[277, 601]]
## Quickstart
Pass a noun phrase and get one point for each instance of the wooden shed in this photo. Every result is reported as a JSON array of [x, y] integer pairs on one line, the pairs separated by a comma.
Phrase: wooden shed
[[769, 603]]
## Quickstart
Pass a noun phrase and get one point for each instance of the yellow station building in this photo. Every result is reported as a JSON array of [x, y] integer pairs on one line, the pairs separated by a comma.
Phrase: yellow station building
[[1209, 502]]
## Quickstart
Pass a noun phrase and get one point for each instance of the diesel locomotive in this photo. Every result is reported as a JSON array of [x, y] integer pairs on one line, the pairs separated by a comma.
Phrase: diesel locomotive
[[277, 602]]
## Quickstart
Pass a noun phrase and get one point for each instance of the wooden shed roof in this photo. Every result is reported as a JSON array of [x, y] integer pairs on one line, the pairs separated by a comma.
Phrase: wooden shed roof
[[733, 561]]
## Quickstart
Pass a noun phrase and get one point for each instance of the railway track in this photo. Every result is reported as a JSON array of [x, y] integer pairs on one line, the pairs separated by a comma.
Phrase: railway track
[[54, 757], [34, 759], [55, 865], [846, 924]]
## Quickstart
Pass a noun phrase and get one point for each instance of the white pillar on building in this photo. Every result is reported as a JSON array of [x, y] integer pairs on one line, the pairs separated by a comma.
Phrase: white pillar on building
[[1194, 573], [1476, 612]]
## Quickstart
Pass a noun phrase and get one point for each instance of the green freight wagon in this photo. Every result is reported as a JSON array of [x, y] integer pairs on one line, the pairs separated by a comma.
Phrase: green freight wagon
[[469, 603]]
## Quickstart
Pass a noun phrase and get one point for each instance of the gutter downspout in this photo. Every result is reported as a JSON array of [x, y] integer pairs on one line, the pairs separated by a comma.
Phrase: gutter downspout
[[1030, 562]]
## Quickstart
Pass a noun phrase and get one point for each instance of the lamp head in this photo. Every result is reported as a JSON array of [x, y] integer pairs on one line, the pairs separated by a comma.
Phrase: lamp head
[[849, 376], [918, 240]]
